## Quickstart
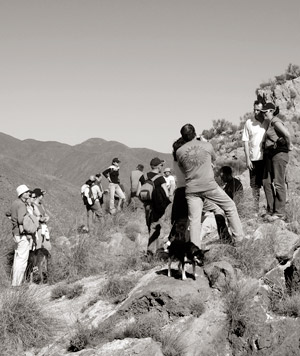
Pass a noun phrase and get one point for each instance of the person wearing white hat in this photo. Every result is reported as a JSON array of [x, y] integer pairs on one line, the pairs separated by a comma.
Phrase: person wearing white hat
[[18, 211], [171, 184]]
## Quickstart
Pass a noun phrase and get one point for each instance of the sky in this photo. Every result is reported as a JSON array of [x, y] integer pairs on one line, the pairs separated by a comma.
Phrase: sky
[[135, 71]]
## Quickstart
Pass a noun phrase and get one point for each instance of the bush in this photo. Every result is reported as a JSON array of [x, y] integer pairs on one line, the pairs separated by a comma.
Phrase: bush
[[117, 288], [22, 321], [238, 304], [80, 339]]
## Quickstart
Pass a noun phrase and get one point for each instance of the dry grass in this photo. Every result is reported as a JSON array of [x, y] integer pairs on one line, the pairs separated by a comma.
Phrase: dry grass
[[238, 304], [23, 323], [118, 287]]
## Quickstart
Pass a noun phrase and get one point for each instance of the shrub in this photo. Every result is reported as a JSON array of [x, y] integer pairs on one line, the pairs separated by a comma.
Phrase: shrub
[[22, 320], [70, 291], [172, 345], [238, 304], [118, 288], [80, 339]]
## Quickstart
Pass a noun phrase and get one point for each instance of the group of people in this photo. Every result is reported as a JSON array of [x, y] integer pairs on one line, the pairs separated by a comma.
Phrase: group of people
[[27, 236], [192, 190]]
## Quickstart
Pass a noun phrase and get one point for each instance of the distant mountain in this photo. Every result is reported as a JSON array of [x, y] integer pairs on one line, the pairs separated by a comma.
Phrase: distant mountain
[[76, 163]]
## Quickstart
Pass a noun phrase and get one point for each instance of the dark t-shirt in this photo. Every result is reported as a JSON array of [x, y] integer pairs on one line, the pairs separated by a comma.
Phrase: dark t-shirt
[[157, 182], [234, 188], [272, 135]]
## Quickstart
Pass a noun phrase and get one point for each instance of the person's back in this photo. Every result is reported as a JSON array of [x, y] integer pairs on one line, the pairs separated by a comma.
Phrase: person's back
[[134, 180], [195, 157]]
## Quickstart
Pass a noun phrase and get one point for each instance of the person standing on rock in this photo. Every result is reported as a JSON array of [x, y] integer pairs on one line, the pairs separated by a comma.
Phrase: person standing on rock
[[18, 211], [112, 174], [156, 206], [135, 176], [195, 159], [276, 154], [253, 138]]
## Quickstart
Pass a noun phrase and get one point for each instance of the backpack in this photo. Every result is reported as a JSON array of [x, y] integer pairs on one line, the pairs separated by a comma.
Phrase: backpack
[[147, 188], [90, 198], [30, 223]]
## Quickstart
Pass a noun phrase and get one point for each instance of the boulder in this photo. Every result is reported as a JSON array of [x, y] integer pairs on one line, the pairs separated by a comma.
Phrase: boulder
[[285, 244], [220, 274]]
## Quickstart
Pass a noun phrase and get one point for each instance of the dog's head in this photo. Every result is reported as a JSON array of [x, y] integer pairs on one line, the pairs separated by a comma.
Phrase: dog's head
[[199, 256]]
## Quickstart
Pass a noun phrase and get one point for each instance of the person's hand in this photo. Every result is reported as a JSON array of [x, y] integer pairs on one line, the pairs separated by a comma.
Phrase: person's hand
[[249, 164]]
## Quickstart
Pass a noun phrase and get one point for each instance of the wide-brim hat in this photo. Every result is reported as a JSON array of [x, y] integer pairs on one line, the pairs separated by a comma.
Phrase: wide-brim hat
[[167, 170], [21, 189]]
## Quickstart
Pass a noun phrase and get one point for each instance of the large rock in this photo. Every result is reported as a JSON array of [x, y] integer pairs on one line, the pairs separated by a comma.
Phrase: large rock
[[220, 274], [126, 347], [285, 244]]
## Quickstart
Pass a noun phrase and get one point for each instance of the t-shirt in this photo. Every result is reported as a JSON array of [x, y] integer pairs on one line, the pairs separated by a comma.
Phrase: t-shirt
[[254, 133], [170, 180], [195, 158], [272, 136], [180, 177], [18, 211], [134, 179]]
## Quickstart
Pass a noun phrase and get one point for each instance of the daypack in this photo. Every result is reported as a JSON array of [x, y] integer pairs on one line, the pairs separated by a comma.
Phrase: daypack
[[89, 200], [147, 188], [30, 223]]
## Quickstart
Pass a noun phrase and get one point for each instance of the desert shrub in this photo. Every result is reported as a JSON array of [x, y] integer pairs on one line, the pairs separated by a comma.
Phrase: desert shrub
[[22, 320], [238, 305], [292, 71], [208, 134], [280, 302], [280, 79], [197, 307], [146, 325], [80, 339], [117, 288], [172, 344]]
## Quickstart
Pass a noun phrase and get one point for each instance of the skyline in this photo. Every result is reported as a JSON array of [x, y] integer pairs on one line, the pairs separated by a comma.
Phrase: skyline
[[135, 71]]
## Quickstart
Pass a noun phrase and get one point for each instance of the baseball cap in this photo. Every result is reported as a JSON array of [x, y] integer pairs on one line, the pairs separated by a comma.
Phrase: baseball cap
[[156, 161], [116, 160], [38, 192]]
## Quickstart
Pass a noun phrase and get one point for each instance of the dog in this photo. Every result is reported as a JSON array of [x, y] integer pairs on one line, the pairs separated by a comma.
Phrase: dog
[[185, 252], [38, 261]]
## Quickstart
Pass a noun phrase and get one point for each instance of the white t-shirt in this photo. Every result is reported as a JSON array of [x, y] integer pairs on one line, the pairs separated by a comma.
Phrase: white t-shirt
[[254, 133], [170, 181]]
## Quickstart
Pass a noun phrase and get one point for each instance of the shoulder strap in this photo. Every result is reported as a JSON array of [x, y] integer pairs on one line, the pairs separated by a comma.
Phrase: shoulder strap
[[155, 177]]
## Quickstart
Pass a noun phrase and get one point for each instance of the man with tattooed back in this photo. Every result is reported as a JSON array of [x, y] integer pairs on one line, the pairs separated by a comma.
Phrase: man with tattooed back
[[195, 160]]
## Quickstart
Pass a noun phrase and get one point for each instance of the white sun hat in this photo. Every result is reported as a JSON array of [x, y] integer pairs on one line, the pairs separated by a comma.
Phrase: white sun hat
[[22, 189]]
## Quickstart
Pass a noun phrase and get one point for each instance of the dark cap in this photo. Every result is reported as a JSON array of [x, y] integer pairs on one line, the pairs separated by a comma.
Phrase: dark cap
[[38, 192], [156, 161], [268, 106], [140, 167], [116, 160]]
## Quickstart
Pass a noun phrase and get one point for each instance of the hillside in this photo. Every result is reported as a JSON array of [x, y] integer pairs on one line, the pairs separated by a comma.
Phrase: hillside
[[76, 163]]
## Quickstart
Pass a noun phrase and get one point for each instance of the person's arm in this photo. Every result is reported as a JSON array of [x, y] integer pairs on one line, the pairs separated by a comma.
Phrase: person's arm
[[106, 174], [286, 135], [165, 188], [247, 155], [172, 187]]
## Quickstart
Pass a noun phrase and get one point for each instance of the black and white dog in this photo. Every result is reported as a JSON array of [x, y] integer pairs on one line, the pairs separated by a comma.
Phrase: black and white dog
[[185, 252], [38, 261]]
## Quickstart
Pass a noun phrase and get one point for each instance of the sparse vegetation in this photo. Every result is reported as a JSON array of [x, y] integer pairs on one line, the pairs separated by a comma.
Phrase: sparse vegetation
[[23, 323], [117, 288]]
